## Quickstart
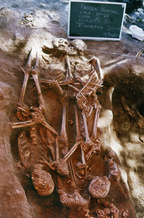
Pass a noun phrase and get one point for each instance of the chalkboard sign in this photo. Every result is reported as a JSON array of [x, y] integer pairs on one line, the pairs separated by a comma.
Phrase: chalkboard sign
[[96, 20]]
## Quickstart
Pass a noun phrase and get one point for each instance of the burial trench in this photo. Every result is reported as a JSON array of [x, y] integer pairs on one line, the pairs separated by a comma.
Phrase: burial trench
[[120, 120], [115, 113]]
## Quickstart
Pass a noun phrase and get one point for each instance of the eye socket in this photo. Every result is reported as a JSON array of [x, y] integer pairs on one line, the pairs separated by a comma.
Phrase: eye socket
[[23, 113]]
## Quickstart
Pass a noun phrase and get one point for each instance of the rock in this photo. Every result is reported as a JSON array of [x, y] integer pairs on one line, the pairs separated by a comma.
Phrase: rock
[[131, 4], [137, 32]]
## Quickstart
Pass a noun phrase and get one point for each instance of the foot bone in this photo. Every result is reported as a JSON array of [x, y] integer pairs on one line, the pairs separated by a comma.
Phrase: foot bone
[[72, 200], [37, 118]]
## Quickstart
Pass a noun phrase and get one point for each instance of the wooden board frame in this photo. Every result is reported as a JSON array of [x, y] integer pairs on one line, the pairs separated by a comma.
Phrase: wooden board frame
[[84, 20]]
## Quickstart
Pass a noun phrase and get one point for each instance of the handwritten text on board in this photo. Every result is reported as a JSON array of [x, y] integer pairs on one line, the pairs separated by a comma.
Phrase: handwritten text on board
[[96, 20]]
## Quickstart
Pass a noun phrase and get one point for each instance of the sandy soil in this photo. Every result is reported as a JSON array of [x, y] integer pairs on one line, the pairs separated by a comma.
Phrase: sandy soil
[[33, 24]]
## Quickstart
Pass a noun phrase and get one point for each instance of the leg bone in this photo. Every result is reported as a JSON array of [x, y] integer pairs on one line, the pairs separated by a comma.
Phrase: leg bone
[[88, 141], [26, 77], [72, 150], [94, 133], [63, 139], [79, 138], [83, 160], [35, 77], [78, 133]]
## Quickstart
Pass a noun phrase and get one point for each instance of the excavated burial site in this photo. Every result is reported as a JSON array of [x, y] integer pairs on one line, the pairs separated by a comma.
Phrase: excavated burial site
[[121, 123]]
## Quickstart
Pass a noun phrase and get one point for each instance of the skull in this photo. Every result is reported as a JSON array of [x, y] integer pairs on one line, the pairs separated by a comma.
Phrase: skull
[[79, 45], [99, 187], [42, 182], [61, 45]]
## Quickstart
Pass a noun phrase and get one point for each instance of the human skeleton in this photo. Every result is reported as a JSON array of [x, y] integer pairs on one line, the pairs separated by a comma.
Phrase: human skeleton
[[43, 136]]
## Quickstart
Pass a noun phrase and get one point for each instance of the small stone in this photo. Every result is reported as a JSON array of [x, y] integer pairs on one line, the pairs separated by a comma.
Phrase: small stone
[[8, 194], [140, 10], [137, 14]]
